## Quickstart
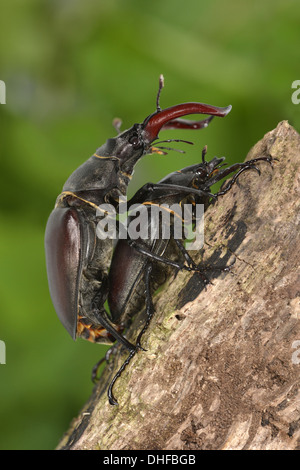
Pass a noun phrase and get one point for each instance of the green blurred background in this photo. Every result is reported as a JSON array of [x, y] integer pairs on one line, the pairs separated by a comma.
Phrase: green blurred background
[[70, 67]]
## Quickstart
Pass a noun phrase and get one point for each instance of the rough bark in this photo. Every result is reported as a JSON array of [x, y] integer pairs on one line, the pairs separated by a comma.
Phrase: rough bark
[[222, 366]]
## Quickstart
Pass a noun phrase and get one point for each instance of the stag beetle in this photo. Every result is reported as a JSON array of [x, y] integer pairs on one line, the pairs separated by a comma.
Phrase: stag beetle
[[138, 267], [131, 256], [78, 261]]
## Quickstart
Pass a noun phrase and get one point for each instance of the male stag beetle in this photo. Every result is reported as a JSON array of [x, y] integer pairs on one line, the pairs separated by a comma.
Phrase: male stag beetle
[[140, 266], [77, 260]]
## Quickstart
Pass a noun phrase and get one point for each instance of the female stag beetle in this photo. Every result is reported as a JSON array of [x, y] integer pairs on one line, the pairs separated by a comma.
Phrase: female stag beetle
[[77, 260], [139, 267]]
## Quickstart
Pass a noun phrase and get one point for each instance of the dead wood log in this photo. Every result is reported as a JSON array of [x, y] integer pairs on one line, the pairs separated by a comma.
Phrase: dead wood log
[[222, 367]]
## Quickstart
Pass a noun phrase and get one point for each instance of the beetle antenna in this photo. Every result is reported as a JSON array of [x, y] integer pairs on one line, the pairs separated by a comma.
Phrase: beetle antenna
[[117, 123], [204, 152], [160, 87], [174, 140], [170, 148]]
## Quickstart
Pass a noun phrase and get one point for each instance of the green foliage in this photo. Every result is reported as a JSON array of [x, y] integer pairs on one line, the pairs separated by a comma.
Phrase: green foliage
[[69, 69]]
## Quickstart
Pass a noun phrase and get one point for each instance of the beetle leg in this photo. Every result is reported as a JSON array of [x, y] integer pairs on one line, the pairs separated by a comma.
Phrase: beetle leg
[[241, 167], [172, 187], [201, 270], [111, 397], [150, 313], [96, 367], [152, 256], [231, 182], [191, 262], [101, 317], [149, 303], [144, 195], [187, 257], [192, 266]]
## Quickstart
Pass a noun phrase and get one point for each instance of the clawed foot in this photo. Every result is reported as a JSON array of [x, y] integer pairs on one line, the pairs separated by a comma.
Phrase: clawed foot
[[95, 369], [241, 167], [201, 270]]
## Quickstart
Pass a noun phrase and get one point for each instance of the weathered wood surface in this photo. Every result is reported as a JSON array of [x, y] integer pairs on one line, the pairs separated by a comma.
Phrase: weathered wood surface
[[222, 367]]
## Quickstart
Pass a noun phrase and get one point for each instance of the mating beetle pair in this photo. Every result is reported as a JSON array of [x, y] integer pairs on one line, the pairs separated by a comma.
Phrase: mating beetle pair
[[78, 262]]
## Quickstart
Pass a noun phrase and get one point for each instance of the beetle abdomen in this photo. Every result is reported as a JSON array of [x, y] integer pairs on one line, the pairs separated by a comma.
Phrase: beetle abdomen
[[63, 256]]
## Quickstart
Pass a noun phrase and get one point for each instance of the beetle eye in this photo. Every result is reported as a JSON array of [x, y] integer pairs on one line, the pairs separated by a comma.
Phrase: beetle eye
[[201, 173], [134, 140]]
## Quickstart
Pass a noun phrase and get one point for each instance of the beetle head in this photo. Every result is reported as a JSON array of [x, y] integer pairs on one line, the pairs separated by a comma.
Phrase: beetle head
[[204, 175], [200, 176], [129, 146], [138, 140]]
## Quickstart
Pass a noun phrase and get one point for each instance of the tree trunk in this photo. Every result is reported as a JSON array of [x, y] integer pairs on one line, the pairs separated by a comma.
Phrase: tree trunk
[[222, 365]]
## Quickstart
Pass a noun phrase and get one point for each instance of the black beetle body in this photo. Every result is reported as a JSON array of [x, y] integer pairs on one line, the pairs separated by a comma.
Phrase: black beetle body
[[128, 262], [78, 261], [139, 268], [130, 257]]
